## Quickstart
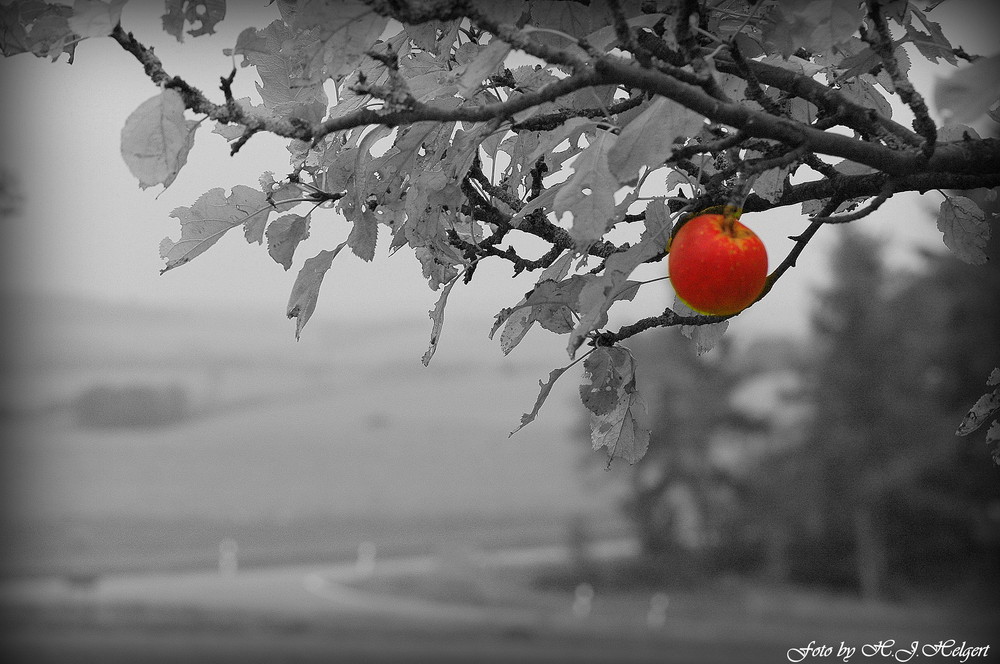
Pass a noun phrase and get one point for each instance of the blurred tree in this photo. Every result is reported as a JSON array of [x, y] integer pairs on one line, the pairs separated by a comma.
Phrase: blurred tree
[[687, 496], [887, 497], [11, 199], [671, 487]]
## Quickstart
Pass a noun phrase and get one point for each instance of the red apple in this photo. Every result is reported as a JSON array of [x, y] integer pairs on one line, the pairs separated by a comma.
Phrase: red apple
[[717, 265]]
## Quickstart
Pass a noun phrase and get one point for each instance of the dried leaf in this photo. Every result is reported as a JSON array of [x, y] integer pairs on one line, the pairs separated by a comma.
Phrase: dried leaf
[[437, 318], [543, 394], [620, 430], [611, 373]]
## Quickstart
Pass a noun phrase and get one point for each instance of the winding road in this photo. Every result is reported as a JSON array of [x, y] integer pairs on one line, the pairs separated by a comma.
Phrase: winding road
[[310, 613]]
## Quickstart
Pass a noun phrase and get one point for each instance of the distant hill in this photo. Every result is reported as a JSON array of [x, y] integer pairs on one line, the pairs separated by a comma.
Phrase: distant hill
[[58, 346]]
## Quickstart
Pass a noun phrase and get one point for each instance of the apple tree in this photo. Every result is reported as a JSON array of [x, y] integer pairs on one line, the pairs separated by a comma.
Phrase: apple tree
[[462, 128]]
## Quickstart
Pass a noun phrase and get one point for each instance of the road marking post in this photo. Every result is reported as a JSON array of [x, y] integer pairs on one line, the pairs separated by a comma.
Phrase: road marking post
[[364, 565], [657, 615], [582, 600], [228, 557]]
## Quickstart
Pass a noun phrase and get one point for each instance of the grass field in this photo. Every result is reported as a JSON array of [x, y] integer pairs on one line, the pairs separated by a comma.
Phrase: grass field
[[295, 455]]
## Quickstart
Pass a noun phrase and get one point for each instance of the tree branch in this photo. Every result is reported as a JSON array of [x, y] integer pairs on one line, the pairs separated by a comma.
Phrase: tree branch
[[801, 241], [668, 318], [425, 112], [856, 186], [763, 125], [882, 44]]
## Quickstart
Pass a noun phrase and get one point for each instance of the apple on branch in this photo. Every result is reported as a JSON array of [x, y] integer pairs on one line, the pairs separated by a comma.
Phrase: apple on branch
[[717, 265]]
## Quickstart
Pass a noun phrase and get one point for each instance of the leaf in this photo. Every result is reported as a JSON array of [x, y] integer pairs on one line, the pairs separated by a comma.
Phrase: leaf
[[956, 132], [965, 230], [552, 304], [705, 337], [434, 37], [862, 91], [156, 139], [484, 66], [284, 235], [277, 53], [206, 12], [589, 194], [575, 19], [211, 216], [93, 18], [611, 373], [518, 321], [770, 184], [542, 201], [606, 38], [522, 316], [347, 28], [282, 196], [437, 319], [600, 292], [969, 93], [232, 131], [508, 11], [37, 28], [932, 44], [985, 406], [364, 237], [848, 167], [648, 140], [792, 63], [543, 394], [571, 130], [993, 441], [305, 290], [620, 430], [815, 25]]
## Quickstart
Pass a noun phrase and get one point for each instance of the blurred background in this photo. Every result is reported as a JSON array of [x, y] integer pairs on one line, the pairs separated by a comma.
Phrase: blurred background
[[181, 477]]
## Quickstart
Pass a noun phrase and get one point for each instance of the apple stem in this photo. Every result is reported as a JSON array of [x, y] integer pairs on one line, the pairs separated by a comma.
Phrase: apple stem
[[730, 214]]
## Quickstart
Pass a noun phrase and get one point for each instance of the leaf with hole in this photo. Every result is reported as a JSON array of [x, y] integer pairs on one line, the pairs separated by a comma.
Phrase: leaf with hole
[[211, 216]]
